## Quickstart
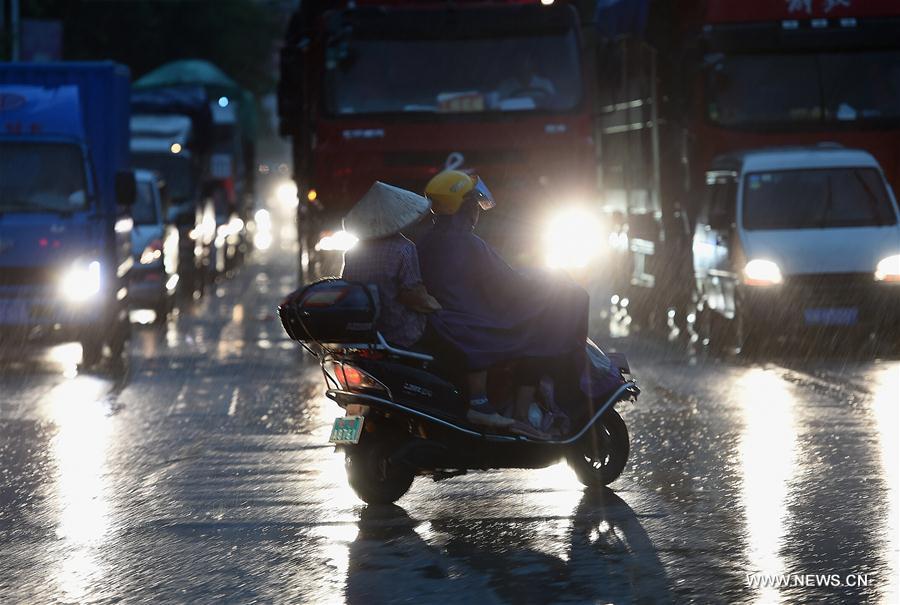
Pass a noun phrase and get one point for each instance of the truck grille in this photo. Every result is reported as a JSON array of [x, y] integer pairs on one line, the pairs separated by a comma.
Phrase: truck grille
[[27, 276], [438, 159]]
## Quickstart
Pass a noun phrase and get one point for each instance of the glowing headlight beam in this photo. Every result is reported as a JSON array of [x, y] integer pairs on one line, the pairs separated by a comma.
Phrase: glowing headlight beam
[[339, 241], [760, 272], [888, 269], [81, 282], [286, 193], [572, 239]]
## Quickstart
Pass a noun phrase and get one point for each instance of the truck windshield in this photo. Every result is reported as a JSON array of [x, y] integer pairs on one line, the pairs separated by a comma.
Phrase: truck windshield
[[175, 169], [41, 177], [144, 210], [455, 76], [817, 198], [761, 90]]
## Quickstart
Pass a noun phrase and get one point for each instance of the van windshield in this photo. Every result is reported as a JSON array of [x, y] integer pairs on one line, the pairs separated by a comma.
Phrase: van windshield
[[41, 177], [816, 199]]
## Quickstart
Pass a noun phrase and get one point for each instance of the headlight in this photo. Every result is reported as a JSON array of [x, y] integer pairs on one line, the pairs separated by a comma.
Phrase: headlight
[[287, 194], [81, 281], [888, 269], [339, 241], [759, 272], [572, 239]]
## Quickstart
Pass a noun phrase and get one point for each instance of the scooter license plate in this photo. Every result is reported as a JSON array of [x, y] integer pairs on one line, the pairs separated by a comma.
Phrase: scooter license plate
[[346, 429]]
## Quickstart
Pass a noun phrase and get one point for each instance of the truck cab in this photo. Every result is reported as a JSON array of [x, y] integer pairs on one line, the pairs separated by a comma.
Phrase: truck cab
[[65, 193], [802, 238], [398, 91]]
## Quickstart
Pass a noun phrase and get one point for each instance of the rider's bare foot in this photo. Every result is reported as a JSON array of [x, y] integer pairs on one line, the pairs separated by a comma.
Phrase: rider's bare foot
[[482, 412], [490, 419]]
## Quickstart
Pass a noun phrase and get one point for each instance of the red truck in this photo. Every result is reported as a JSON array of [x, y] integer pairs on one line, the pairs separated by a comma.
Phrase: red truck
[[684, 83], [398, 90]]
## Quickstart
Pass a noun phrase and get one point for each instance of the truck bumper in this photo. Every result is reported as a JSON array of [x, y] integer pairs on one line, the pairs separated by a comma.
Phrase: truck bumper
[[23, 308]]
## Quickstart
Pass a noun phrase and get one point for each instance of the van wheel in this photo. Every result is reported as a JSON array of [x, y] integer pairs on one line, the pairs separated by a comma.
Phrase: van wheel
[[747, 337], [372, 475], [600, 456], [714, 332]]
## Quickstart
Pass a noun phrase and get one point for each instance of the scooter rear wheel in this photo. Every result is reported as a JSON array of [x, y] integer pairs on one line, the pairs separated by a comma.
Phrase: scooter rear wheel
[[372, 475], [600, 456]]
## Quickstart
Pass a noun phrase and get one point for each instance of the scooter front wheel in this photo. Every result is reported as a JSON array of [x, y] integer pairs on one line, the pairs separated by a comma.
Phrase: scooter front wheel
[[600, 456], [372, 475]]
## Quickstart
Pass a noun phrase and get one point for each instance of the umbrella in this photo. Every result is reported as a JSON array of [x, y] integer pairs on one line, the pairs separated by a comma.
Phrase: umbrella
[[190, 72], [197, 72]]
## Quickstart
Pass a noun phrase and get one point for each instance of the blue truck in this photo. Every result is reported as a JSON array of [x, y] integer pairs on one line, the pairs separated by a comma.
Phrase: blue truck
[[65, 194]]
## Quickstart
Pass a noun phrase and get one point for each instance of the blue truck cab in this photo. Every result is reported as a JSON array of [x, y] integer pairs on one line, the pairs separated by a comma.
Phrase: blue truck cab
[[65, 196]]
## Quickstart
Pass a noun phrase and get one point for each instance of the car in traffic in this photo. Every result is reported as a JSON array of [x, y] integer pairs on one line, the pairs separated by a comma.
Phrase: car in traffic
[[154, 278], [802, 239]]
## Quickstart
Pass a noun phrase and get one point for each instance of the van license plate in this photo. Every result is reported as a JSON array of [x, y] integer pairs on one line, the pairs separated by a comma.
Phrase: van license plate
[[834, 316], [346, 429]]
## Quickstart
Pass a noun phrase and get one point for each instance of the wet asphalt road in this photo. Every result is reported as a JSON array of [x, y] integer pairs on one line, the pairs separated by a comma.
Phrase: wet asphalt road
[[202, 474]]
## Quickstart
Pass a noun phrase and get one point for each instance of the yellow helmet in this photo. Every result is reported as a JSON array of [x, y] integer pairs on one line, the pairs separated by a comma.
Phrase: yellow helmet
[[448, 190]]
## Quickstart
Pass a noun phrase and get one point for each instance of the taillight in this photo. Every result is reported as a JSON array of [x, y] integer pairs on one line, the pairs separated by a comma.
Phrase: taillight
[[152, 253], [351, 378]]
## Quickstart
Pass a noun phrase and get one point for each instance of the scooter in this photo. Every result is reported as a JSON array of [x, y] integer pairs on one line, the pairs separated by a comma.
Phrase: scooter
[[404, 417]]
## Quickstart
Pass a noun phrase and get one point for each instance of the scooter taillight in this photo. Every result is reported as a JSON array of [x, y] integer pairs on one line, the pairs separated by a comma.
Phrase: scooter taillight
[[351, 378]]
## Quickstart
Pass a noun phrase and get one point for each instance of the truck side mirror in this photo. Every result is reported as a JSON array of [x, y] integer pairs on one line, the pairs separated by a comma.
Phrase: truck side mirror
[[182, 217], [126, 188], [165, 199], [721, 220], [290, 89], [722, 207]]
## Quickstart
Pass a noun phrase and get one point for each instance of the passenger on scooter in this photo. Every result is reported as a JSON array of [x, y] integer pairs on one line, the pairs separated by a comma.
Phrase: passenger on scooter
[[387, 259], [492, 312]]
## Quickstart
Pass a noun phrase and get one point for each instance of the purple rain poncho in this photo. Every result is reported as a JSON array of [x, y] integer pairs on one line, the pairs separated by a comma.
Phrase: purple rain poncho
[[492, 312]]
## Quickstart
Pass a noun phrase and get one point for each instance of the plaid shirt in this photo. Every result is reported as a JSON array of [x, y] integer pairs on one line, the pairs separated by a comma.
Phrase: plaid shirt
[[391, 263]]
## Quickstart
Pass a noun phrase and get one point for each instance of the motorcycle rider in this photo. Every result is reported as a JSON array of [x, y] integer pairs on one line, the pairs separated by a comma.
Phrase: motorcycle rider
[[387, 259], [493, 313]]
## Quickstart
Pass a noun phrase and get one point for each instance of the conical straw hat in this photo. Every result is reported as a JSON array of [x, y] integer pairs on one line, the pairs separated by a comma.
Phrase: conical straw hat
[[385, 210]]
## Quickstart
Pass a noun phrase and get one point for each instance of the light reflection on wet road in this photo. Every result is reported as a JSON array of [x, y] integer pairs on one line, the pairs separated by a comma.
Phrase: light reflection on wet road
[[202, 474]]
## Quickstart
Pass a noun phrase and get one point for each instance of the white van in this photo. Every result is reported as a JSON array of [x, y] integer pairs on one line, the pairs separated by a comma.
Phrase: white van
[[795, 239]]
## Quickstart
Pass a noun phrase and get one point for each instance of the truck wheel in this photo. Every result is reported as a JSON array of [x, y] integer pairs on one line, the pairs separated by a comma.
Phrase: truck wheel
[[600, 456], [91, 350], [372, 475], [119, 338]]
